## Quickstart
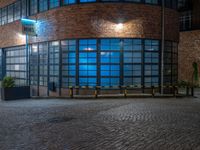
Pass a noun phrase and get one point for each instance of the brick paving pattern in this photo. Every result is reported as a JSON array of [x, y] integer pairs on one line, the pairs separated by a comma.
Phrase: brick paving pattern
[[132, 124]]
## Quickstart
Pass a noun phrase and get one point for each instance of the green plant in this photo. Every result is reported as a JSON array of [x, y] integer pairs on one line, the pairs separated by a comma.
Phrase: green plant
[[8, 82], [195, 75]]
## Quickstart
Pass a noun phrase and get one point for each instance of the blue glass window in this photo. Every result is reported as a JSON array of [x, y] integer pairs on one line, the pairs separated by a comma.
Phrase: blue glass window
[[54, 3], [151, 62], [132, 61], [54, 50], [110, 62], [87, 62], [33, 7], [87, 1], [68, 63], [67, 2], [43, 5]]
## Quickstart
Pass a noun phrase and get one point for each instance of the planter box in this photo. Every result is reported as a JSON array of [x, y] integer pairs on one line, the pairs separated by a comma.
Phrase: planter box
[[15, 93]]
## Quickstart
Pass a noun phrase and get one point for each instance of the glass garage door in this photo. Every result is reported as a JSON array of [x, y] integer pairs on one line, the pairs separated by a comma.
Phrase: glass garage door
[[16, 64], [39, 69]]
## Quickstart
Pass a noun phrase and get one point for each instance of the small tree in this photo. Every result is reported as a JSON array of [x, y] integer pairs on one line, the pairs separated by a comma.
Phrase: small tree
[[8, 82], [195, 75]]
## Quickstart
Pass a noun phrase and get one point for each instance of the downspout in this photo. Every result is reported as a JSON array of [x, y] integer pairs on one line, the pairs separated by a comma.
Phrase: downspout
[[162, 46]]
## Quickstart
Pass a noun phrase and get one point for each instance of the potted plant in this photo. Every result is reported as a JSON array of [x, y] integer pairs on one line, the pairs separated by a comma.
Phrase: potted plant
[[10, 92]]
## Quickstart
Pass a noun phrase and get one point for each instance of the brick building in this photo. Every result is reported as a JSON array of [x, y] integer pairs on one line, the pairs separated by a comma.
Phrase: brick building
[[189, 46], [89, 43]]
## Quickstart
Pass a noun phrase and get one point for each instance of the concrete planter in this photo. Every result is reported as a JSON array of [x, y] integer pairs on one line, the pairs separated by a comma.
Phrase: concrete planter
[[15, 93]]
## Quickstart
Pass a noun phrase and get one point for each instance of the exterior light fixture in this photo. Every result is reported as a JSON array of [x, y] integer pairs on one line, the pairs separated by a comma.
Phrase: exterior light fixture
[[119, 26]]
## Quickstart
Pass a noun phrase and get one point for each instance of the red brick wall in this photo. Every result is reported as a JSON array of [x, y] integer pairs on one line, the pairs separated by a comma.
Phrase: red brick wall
[[189, 52], [96, 20], [6, 2]]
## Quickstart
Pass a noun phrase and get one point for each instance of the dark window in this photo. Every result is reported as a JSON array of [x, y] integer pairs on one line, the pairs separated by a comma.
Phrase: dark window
[[33, 7], [43, 5], [17, 12], [185, 20], [151, 1]]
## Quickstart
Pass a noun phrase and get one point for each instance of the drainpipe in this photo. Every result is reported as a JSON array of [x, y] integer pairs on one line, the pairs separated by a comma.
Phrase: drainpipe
[[163, 46]]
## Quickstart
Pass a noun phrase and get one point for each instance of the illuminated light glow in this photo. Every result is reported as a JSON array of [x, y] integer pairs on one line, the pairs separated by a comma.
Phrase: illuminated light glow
[[34, 48], [89, 49], [119, 26], [21, 35], [28, 21]]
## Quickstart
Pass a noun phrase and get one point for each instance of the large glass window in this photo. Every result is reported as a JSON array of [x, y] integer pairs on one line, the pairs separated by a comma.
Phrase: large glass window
[[132, 61], [68, 63], [43, 5], [34, 65], [151, 62], [1, 65], [185, 20], [54, 3], [17, 10], [43, 64], [33, 7], [24, 8], [16, 64], [10, 13], [87, 62], [174, 62], [110, 62], [54, 52], [4, 16]]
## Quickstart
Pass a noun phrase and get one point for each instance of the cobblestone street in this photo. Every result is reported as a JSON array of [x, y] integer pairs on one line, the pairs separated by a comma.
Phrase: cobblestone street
[[132, 124]]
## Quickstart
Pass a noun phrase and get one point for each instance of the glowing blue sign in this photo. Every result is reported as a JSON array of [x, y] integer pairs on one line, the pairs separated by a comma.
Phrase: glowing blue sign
[[29, 27]]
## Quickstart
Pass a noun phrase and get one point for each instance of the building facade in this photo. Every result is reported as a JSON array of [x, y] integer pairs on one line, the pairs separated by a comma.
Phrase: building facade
[[89, 43], [189, 46]]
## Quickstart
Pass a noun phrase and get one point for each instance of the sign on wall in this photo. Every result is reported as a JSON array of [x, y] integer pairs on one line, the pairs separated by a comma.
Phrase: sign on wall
[[29, 27]]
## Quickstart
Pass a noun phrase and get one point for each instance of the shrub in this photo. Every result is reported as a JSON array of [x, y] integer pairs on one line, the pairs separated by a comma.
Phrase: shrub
[[8, 82]]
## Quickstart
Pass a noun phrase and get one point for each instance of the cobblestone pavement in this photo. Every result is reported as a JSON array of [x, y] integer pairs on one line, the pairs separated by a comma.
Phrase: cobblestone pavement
[[132, 124]]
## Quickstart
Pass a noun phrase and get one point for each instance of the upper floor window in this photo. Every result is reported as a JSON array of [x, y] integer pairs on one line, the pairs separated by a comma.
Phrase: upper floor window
[[10, 13], [43, 5], [186, 21], [17, 8], [87, 1], [67, 2], [24, 8], [4, 16], [33, 7], [54, 3], [151, 1]]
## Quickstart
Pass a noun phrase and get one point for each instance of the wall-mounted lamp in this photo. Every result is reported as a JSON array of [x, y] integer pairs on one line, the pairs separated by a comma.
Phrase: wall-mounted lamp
[[119, 26]]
